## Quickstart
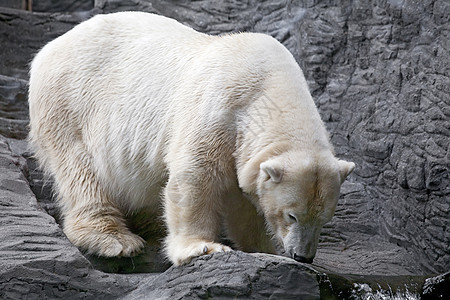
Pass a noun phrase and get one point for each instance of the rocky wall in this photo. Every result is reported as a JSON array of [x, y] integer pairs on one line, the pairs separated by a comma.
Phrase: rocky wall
[[379, 74]]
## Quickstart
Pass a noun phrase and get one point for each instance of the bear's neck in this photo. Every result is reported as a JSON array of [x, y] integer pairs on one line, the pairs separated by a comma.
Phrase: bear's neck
[[272, 125]]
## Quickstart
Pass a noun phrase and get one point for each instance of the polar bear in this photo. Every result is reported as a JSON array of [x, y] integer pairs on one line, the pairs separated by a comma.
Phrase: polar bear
[[133, 111]]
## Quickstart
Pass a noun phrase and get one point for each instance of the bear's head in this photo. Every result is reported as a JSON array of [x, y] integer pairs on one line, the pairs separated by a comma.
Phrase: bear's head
[[298, 194]]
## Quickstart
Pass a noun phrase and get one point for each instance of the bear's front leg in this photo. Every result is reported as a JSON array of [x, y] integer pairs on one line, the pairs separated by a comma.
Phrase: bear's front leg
[[182, 249], [192, 213], [245, 227]]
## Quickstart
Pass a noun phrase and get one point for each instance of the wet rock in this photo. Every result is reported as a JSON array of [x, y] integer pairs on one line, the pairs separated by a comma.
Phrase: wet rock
[[436, 287]]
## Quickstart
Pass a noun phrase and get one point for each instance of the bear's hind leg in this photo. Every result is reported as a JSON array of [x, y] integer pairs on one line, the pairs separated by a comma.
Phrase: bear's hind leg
[[101, 231], [92, 221]]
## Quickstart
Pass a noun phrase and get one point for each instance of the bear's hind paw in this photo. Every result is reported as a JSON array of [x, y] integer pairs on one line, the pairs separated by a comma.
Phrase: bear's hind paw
[[121, 245], [111, 244]]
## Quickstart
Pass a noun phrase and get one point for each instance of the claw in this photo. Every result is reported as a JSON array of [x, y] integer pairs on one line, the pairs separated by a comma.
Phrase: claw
[[205, 250]]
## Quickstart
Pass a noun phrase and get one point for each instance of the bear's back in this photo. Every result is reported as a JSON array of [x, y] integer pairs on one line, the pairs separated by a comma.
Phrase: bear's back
[[106, 35]]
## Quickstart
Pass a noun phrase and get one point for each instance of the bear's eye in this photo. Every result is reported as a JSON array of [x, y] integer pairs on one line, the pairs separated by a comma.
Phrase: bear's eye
[[292, 218]]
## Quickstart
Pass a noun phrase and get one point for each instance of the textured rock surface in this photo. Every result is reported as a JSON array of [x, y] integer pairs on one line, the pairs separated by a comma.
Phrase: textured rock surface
[[62, 5], [23, 34], [379, 73], [233, 275], [13, 107]]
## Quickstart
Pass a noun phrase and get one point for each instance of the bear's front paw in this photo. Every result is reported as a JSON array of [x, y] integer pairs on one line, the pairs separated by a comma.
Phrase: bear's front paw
[[183, 254]]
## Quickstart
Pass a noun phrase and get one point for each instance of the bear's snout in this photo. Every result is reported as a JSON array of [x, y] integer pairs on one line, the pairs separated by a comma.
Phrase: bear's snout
[[301, 242], [303, 259]]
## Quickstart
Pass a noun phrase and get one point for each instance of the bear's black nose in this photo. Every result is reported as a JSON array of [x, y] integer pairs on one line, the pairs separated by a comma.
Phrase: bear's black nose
[[303, 259]]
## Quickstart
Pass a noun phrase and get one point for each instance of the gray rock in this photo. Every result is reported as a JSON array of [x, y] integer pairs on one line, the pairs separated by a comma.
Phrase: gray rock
[[23, 34], [379, 73], [13, 107], [233, 275], [62, 6]]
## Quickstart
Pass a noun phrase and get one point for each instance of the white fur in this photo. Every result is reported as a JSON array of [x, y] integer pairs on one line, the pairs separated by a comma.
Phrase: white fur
[[132, 111]]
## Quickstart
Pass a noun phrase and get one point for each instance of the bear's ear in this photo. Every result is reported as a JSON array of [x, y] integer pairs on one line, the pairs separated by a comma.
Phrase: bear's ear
[[272, 170], [345, 168]]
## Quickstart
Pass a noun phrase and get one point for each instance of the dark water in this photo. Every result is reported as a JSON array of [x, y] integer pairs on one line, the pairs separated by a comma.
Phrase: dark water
[[338, 286]]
